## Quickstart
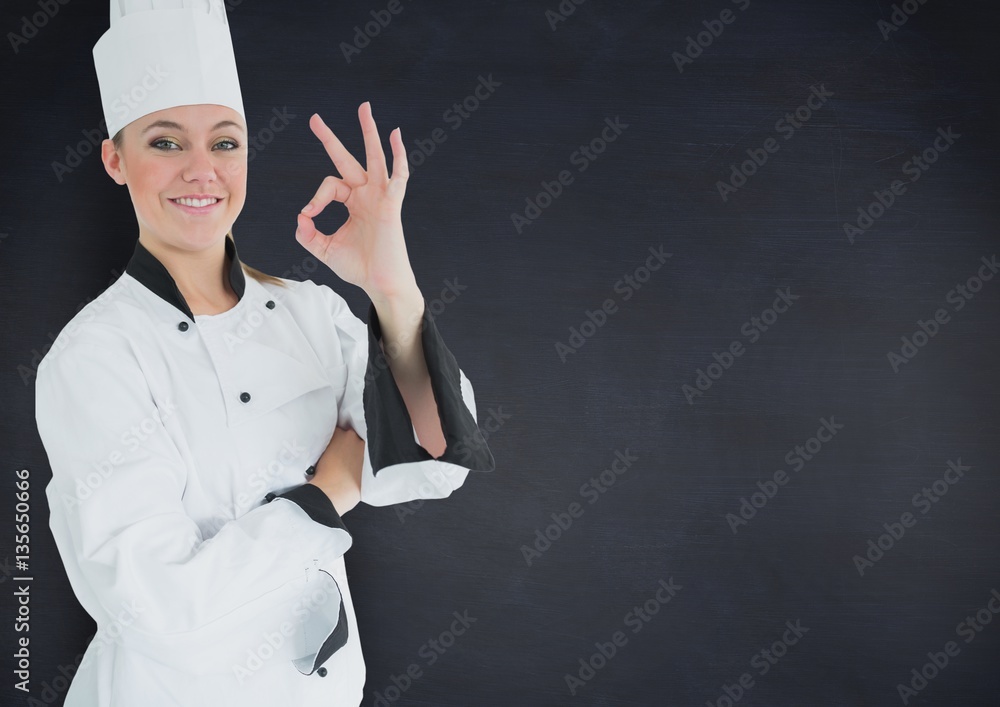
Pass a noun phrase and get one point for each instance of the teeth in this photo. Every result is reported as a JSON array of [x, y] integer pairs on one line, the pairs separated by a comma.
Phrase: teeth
[[196, 202]]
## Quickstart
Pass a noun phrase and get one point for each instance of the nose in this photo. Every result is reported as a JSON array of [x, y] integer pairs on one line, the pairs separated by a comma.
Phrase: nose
[[201, 166]]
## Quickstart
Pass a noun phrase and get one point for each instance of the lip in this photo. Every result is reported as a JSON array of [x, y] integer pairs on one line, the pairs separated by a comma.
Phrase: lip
[[199, 209]]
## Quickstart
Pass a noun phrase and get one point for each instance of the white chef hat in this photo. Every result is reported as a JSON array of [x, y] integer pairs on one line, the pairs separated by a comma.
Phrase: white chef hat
[[164, 53]]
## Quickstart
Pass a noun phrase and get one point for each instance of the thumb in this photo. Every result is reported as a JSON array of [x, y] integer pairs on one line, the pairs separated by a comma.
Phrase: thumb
[[305, 234]]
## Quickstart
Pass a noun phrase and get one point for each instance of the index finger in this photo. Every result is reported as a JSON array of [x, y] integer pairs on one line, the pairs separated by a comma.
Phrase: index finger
[[349, 168]]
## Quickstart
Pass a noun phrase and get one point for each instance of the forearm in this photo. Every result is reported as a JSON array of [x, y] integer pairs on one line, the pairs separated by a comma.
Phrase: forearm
[[400, 317], [338, 471], [345, 494]]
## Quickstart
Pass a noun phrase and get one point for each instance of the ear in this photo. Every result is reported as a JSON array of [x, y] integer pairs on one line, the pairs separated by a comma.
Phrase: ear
[[112, 161]]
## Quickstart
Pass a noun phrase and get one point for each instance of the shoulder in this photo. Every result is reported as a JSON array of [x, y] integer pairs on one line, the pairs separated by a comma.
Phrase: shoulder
[[100, 324], [308, 294], [110, 339]]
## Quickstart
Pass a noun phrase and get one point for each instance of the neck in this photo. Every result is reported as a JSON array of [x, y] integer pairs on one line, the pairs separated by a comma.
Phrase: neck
[[201, 276]]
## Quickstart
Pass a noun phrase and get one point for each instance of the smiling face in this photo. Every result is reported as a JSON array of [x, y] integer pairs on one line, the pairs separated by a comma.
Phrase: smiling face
[[186, 171]]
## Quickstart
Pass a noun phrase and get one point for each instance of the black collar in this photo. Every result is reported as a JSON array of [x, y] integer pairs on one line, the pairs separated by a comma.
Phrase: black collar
[[145, 268]]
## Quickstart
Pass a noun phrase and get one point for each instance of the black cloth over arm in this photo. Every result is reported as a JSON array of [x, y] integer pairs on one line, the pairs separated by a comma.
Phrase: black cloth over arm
[[390, 429]]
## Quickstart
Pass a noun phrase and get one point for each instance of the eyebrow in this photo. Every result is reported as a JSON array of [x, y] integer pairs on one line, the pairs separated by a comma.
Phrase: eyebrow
[[177, 126]]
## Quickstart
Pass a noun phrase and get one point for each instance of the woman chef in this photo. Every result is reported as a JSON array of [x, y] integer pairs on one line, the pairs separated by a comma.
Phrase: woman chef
[[198, 414]]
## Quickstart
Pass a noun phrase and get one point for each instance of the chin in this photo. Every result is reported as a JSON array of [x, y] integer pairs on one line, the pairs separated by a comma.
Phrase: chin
[[193, 239]]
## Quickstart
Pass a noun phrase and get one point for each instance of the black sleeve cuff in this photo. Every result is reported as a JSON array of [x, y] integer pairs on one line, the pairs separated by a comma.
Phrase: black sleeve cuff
[[336, 640], [315, 502], [390, 429]]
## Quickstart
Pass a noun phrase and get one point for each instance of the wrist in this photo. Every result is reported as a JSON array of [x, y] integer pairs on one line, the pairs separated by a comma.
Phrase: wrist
[[399, 321], [397, 298]]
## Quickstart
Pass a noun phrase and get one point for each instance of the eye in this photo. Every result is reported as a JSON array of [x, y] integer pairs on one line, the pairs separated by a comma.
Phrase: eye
[[227, 141], [162, 141]]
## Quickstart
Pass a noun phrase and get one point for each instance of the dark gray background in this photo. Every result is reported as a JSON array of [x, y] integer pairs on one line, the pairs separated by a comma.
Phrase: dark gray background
[[66, 237]]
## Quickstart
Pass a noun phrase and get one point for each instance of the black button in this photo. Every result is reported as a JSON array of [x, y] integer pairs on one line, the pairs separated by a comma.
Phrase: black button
[[270, 304], [183, 326], [311, 470], [245, 397], [321, 672], [269, 497]]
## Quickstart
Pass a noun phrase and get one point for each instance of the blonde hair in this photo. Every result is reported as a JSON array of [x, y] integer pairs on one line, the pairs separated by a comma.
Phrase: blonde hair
[[252, 272]]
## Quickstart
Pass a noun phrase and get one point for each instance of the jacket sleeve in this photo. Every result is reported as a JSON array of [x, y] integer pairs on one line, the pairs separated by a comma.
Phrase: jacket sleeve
[[396, 467], [139, 563]]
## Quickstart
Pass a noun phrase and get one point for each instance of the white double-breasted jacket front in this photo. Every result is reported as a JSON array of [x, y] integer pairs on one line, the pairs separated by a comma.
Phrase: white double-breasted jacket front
[[180, 446]]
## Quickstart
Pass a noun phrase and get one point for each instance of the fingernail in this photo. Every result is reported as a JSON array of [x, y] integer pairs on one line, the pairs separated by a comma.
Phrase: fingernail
[[307, 207]]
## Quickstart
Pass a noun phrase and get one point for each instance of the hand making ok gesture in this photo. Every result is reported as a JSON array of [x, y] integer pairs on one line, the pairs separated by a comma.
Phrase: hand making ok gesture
[[368, 250]]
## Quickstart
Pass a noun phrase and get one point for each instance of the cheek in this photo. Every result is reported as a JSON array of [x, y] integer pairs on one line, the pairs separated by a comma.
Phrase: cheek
[[234, 165], [148, 184], [238, 186]]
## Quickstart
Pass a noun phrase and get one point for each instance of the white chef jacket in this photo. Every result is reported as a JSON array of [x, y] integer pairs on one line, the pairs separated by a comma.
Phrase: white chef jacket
[[180, 447]]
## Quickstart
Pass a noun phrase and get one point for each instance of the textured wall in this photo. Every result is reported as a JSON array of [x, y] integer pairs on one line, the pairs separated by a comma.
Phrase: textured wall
[[688, 241]]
